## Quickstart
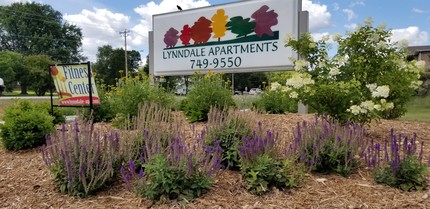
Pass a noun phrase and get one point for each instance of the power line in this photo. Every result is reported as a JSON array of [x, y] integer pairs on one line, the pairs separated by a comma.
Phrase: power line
[[125, 33]]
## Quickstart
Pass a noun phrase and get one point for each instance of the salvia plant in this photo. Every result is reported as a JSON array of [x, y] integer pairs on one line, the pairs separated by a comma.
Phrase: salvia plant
[[183, 170], [81, 158], [328, 146], [261, 166], [398, 162], [228, 127]]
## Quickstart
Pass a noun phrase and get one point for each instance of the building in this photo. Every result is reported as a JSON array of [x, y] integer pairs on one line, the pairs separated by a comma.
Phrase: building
[[420, 53]]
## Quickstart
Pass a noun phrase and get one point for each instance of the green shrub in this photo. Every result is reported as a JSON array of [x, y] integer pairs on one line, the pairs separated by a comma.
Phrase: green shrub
[[82, 159], [126, 98], [180, 172], [102, 112], [228, 127], [327, 146], [369, 77], [59, 113], [25, 126], [276, 101], [398, 163], [263, 167], [208, 90]]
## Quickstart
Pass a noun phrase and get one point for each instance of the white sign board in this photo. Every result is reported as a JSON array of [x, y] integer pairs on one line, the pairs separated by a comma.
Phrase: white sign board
[[244, 36]]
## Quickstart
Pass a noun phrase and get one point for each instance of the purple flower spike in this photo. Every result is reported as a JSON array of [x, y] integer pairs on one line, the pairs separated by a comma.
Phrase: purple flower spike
[[141, 172]]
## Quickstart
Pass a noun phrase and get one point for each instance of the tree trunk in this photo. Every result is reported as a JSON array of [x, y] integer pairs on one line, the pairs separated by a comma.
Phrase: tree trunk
[[24, 89]]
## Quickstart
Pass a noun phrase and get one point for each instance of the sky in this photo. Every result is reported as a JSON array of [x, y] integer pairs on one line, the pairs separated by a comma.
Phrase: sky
[[102, 20]]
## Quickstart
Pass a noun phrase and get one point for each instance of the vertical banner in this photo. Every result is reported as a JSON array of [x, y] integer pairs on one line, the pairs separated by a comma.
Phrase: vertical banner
[[75, 84]]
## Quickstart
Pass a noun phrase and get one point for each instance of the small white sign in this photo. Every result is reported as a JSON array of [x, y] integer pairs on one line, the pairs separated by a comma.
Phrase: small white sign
[[246, 36]]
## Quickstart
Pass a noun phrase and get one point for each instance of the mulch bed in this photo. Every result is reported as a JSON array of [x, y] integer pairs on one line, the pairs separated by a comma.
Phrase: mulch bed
[[25, 182]]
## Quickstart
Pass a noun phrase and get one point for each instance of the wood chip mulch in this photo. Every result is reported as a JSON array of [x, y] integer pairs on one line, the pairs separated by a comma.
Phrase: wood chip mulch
[[25, 182]]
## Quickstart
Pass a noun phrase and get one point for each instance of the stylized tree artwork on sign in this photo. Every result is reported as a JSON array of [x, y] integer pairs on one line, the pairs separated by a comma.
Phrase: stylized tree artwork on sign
[[185, 35], [201, 31], [265, 20], [240, 26], [219, 21], [171, 38]]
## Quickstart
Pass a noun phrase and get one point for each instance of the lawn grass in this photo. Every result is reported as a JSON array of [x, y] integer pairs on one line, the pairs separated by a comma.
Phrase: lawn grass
[[418, 109]]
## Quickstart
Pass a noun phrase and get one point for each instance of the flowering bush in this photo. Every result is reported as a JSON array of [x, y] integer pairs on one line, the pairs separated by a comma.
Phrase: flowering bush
[[207, 91], [131, 92], [368, 78], [398, 162], [277, 100], [261, 164], [182, 171], [82, 159], [228, 127], [327, 146]]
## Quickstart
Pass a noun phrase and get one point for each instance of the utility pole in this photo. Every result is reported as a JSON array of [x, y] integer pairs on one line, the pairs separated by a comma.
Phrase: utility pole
[[125, 33]]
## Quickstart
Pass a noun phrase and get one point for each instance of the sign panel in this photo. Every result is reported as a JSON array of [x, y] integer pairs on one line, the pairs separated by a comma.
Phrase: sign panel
[[74, 84], [244, 36]]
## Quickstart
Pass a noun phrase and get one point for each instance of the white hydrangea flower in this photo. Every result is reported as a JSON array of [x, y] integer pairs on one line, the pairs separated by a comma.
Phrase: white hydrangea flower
[[299, 80], [403, 44], [362, 110], [378, 107], [381, 45], [334, 71], [368, 21], [274, 86], [354, 109], [368, 105], [289, 37], [300, 64], [294, 95], [312, 45], [336, 37], [382, 26], [420, 64], [322, 65], [415, 84], [389, 105], [372, 87], [325, 38], [285, 89], [381, 91]]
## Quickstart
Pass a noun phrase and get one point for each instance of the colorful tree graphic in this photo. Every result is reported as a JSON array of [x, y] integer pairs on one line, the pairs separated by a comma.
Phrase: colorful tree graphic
[[240, 26], [185, 35], [219, 21], [265, 20], [171, 38], [201, 31]]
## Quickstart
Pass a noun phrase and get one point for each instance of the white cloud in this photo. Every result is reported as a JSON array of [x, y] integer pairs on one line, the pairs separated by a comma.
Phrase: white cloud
[[419, 11], [349, 13], [9, 2], [357, 3], [100, 27], [319, 16], [336, 7], [412, 34], [351, 27], [319, 36]]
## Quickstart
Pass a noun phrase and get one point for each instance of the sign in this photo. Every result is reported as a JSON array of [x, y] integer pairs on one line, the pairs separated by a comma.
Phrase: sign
[[74, 84], [245, 36]]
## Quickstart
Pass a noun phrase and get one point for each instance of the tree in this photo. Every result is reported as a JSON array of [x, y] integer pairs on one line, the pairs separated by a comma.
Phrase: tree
[[185, 35], [201, 31], [219, 21], [264, 20], [110, 63], [33, 28], [37, 66], [240, 26], [171, 38], [10, 64]]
